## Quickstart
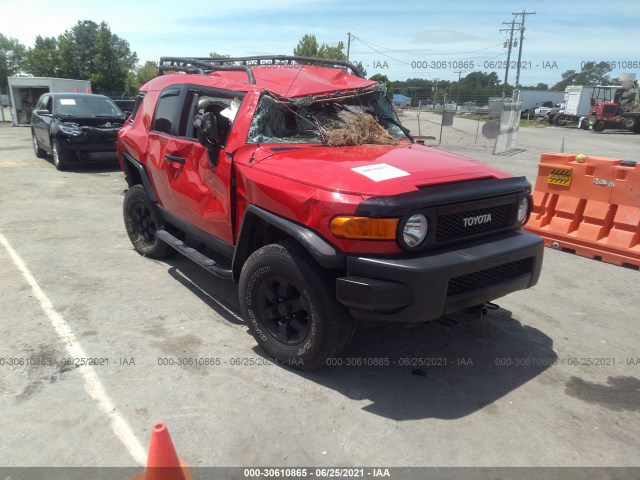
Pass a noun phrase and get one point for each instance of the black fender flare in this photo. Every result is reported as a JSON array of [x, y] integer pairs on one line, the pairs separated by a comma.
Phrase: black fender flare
[[322, 251], [128, 164], [131, 163]]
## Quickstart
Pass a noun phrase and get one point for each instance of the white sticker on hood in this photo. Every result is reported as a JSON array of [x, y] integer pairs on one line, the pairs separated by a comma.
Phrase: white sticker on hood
[[380, 171]]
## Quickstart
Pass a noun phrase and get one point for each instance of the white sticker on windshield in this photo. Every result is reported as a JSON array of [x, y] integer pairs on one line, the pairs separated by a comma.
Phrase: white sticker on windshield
[[380, 171], [67, 101]]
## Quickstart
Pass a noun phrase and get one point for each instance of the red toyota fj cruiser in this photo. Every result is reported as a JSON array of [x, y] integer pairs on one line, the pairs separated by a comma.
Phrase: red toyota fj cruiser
[[318, 201]]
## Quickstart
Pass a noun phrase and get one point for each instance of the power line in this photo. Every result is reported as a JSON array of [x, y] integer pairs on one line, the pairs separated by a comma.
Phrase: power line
[[415, 52]]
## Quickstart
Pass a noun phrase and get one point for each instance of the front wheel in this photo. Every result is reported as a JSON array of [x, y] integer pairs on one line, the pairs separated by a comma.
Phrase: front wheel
[[598, 126], [59, 156], [290, 306], [142, 224]]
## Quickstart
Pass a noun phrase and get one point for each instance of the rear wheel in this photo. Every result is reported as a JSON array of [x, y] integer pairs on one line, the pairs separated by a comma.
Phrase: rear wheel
[[36, 147], [290, 306], [142, 224]]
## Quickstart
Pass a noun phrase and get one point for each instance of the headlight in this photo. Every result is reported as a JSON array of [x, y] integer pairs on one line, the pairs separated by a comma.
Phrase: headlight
[[70, 130], [414, 230], [523, 210]]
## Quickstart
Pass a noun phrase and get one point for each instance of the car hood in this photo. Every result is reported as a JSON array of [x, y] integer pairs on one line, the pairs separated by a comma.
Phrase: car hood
[[93, 121], [369, 169]]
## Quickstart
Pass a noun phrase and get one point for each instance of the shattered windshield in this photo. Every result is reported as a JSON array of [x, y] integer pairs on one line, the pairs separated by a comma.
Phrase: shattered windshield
[[356, 119]]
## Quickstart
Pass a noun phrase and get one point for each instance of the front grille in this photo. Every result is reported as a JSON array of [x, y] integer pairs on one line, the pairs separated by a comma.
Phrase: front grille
[[488, 277], [452, 226], [111, 155], [100, 137]]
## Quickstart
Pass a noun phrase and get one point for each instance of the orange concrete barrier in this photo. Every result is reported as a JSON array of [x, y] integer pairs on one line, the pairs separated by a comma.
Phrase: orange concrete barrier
[[163, 462], [589, 205]]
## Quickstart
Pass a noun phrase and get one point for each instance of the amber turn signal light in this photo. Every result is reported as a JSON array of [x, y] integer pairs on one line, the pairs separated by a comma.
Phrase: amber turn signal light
[[364, 228]]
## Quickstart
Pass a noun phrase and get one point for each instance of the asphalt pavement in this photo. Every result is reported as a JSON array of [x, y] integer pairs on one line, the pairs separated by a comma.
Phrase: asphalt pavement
[[551, 378]]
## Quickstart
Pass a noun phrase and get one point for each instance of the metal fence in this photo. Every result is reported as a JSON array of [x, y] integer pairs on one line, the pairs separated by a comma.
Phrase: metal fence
[[507, 140], [443, 128]]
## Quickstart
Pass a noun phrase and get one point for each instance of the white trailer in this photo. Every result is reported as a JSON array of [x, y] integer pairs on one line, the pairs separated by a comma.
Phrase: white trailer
[[25, 91], [577, 102], [535, 98]]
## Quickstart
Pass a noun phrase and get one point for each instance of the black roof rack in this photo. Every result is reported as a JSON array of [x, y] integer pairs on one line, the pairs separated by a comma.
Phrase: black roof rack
[[204, 65], [196, 65]]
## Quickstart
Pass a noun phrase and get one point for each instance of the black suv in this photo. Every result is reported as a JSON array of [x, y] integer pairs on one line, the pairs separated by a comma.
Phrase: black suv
[[75, 127]]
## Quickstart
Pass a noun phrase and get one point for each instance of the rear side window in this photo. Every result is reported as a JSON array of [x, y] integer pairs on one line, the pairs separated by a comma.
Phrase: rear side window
[[136, 106], [167, 116]]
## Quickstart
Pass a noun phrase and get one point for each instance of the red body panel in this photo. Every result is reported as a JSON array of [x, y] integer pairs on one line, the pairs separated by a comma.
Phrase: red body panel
[[332, 167], [308, 184]]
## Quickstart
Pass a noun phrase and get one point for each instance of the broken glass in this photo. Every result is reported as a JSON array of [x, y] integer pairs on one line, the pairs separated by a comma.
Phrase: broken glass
[[364, 117]]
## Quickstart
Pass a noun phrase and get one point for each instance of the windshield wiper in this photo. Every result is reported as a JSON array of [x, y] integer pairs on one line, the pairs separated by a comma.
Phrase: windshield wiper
[[404, 129]]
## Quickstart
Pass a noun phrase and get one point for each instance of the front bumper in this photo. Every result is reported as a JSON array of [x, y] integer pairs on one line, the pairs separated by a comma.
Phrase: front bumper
[[85, 149], [425, 287]]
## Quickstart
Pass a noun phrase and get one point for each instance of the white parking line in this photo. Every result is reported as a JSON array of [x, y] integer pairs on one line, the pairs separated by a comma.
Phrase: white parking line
[[92, 383]]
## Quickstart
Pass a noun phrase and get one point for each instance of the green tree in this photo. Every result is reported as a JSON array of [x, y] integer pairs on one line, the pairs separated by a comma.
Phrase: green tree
[[308, 47], [43, 59], [12, 57], [334, 53], [92, 52], [479, 86], [146, 72], [361, 68], [379, 77], [591, 73]]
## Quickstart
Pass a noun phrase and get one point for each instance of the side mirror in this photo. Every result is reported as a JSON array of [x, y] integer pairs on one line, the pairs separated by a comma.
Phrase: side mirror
[[43, 112], [206, 125]]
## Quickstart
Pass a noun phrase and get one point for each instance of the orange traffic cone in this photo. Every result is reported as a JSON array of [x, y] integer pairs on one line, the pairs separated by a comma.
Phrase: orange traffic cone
[[163, 462]]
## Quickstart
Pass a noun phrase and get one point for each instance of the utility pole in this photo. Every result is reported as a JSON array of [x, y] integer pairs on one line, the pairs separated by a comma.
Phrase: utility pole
[[348, 44], [458, 86], [522, 29], [506, 72]]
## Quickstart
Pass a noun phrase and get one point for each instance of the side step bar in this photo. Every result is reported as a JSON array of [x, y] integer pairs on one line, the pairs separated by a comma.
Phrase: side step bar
[[205, 262]]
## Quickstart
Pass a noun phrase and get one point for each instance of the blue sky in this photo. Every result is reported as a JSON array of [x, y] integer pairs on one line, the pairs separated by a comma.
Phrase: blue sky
[[423, 39]]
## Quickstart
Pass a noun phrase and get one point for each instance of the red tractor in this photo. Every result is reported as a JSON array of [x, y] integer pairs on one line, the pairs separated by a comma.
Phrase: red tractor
[[616, 107]]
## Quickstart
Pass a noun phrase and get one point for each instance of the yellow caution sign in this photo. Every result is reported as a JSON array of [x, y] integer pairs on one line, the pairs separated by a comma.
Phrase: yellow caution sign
[[559, 176]]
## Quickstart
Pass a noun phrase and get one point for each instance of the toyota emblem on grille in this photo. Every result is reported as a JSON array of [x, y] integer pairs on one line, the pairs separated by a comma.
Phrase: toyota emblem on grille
[[478, 220]]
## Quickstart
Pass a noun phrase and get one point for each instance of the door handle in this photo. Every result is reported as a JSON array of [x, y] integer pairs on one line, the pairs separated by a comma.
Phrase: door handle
[[171, 158]]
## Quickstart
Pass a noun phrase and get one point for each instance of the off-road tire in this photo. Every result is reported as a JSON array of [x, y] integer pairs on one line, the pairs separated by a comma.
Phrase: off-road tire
[[290, 306], [40, 153], [59, 156], [141, 223]]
